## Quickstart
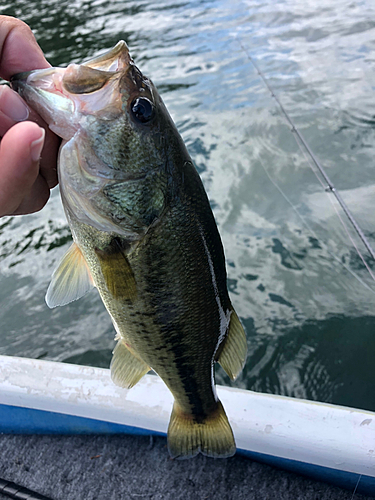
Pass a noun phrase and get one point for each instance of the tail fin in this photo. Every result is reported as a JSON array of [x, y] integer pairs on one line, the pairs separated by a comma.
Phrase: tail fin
[[212, 437]]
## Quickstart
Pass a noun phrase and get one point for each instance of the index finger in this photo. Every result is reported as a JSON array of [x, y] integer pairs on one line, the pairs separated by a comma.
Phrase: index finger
[[19, 51]]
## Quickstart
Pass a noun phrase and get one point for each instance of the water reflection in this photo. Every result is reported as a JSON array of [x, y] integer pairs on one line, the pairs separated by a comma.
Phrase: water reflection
[[322, 360]]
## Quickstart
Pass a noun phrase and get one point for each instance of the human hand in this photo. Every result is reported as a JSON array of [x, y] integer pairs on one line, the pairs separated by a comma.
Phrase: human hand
[[28, 149]]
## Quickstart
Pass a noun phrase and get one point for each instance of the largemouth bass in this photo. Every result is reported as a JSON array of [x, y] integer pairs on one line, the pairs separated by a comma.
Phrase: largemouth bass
[[144, 236]]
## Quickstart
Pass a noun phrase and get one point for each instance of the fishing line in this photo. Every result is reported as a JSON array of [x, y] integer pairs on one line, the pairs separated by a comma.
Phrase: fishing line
[[308, 159], [328, 186], [304, 222]]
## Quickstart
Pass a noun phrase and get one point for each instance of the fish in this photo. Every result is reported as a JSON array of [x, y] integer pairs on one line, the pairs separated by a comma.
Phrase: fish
[[145, 237]]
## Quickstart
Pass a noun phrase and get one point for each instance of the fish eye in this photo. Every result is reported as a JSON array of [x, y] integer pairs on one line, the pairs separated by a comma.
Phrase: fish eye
[[142, 109]]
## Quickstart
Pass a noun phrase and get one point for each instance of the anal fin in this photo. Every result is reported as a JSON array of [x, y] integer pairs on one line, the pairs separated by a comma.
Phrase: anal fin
[[233, 355], [126, 368]]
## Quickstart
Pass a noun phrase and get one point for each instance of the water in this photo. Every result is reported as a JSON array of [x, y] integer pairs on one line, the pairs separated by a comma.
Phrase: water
[[303, 294]]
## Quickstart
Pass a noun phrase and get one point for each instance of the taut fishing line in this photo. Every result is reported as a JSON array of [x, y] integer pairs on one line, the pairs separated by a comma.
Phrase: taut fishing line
[[327, 184], [305, 223]]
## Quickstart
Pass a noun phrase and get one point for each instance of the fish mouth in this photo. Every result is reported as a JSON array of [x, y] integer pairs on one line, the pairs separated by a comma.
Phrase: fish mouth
[[18, 78], [62, 95], [115, 59], [43, 79], [42, 90]]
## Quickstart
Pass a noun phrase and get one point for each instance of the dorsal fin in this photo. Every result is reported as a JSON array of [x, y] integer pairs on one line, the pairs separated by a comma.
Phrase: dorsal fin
[[71, 280], [233, 356]]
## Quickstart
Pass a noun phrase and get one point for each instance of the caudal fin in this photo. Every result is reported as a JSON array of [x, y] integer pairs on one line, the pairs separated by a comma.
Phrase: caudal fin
[[212, 437]]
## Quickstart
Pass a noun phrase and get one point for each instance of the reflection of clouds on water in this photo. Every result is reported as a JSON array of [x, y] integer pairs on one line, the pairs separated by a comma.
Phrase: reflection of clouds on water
[[361, 201]]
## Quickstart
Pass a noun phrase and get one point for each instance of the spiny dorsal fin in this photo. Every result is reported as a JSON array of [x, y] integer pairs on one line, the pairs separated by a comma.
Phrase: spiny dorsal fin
[[213, 437], [233, 356], [71, 280], [126, 368], [118, 274]]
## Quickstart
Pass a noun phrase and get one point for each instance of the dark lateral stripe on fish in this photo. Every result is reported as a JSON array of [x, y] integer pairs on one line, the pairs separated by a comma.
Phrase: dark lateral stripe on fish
[[165, 316], [172, 342], [188, 381]]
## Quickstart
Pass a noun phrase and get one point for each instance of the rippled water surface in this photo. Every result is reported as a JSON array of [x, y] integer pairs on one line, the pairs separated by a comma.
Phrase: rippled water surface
[[301, 290]]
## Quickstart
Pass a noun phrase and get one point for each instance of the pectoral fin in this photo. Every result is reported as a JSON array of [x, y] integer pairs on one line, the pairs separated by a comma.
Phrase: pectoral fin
[[118, 274], [126, 368], [233, 356], [71, 280]]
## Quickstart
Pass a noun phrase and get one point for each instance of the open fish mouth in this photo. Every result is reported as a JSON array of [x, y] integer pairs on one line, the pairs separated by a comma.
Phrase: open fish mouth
[[61, 95], [112, 60]]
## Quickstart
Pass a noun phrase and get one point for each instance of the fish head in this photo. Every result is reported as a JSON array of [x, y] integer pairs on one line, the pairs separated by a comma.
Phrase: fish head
[[115, 129], [109, 90]]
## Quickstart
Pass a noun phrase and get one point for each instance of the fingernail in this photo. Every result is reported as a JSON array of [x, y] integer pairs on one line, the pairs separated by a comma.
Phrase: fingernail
[[12, 105], [37, 146]]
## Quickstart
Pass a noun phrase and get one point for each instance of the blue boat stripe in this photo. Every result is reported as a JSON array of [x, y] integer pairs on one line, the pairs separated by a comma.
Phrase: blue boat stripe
[[19, 420]]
